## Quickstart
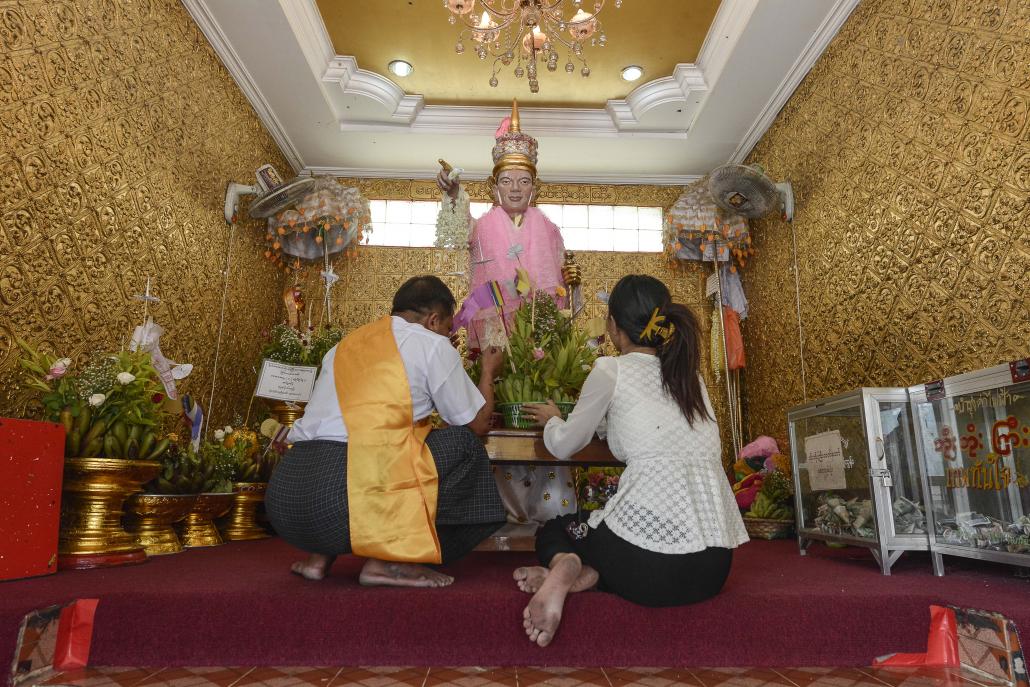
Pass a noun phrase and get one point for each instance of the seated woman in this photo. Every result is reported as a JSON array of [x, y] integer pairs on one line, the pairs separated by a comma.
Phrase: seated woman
[[666, 537]]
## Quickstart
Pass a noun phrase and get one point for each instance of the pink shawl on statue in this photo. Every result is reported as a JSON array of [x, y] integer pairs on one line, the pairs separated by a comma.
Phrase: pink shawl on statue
[[495, 238]]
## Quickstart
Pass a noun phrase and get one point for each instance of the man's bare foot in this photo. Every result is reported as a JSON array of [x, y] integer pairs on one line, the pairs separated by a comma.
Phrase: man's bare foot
[[391, 574], [530, 577], [314, 568], [543, 614]]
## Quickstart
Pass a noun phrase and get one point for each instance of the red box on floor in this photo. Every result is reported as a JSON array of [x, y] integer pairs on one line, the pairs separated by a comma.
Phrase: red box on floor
[[31, 468]]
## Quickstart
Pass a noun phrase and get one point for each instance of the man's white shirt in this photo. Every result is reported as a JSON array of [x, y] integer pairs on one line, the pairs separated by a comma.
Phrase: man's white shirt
[[435, 376]]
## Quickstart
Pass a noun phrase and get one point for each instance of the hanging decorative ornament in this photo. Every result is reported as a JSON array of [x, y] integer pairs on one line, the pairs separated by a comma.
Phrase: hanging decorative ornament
[[697, 229], [329, 219]]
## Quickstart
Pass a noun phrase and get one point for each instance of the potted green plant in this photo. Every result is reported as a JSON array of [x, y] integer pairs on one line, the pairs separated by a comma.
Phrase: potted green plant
[[111, 411], [549, 359]]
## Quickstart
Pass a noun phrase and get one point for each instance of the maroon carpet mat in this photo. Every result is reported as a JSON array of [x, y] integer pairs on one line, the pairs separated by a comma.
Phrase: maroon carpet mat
[[237, 605]]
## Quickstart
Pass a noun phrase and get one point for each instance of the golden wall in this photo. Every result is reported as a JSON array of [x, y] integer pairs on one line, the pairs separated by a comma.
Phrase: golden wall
[[119, 130], [909, 151]]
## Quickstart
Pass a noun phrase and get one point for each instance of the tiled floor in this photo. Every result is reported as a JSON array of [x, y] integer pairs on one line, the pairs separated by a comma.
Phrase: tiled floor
[[517, 677]]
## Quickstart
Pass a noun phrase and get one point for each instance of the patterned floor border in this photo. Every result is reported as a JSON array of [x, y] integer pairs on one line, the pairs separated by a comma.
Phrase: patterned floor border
[[475, 676]]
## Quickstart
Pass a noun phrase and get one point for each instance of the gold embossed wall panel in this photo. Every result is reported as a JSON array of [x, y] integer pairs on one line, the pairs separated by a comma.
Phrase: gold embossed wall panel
[[909, 151], [119, 129]]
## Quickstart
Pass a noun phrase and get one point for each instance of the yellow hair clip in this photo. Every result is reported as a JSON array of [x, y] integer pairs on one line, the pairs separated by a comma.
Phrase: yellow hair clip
[[654, 328]]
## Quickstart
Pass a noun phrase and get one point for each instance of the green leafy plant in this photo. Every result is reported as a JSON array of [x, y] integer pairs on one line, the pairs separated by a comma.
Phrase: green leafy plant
[[292, 347], [549, 357], [111, 408]]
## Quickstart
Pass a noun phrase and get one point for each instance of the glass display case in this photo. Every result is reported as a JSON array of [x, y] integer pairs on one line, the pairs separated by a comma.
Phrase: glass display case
[[973, 438], [856, 477]]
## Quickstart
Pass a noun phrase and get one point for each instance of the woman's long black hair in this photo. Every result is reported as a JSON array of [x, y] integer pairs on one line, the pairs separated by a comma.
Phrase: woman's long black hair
[[631, 304]]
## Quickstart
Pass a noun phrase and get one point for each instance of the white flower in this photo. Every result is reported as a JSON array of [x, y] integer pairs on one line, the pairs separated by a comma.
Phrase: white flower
[[228, 429], [125, 378], [64, 362], [97, 399], [219, 435]]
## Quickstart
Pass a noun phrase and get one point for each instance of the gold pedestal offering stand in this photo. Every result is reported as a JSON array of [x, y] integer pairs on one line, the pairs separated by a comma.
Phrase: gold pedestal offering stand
[[198, 529], [149, 518], [287, 414], [93, 496], [242, 524]]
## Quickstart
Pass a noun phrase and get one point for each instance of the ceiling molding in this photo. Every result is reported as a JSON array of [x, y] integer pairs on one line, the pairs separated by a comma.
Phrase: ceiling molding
[[806, 60], [343, 70], [685, 86], [427, 173], [687, 81], [209, 26], [728, 26]]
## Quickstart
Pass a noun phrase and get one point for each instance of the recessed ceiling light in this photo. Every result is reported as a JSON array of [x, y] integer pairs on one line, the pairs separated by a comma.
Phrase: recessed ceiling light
[[632, 73], [401, 68]]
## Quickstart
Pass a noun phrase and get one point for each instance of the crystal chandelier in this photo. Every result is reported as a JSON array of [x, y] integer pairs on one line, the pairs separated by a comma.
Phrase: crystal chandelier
[[528, 33]]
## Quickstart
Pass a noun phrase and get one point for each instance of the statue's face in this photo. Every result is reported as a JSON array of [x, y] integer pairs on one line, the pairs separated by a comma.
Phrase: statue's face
[[514, 190]]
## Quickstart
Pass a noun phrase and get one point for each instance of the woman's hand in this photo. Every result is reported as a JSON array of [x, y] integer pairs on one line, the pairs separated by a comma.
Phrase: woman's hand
[[541, 412]]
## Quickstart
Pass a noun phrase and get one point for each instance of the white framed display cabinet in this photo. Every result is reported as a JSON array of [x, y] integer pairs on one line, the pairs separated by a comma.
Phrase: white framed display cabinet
[[856, 477], [973, 441]]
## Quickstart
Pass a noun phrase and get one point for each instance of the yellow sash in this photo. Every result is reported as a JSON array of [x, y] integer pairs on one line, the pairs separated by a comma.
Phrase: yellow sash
[[391, 477]]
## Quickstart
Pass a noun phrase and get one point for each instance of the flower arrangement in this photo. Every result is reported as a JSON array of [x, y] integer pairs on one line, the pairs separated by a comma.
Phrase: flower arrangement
[[262, 451], [549, 357], [110, 408], [594, 486], [292, 347], [763, 486]]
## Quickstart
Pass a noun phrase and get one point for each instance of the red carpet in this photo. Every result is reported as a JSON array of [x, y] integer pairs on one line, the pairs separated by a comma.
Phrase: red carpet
[[236, 605]]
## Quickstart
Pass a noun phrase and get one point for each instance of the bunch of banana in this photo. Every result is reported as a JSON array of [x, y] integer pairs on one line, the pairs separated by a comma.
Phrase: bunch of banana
[[764, 507], [87, 436], [247, 470], [518, 389], [135, 443], [190, 474]]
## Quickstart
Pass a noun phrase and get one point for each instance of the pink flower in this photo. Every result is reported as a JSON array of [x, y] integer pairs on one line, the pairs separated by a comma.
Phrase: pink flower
[[538, 354], [59, 369]]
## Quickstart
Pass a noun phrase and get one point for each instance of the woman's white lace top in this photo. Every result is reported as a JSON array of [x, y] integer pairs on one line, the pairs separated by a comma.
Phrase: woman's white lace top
[[673, 496]]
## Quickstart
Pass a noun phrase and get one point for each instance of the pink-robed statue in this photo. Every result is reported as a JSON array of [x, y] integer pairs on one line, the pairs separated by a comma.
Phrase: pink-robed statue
[[511, 236]]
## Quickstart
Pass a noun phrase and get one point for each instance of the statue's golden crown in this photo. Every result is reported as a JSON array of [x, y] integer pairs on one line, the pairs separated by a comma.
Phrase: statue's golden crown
[[514, 149]]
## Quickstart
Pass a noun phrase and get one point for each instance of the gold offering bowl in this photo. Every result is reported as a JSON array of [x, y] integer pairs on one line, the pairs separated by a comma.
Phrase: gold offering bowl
[[198, 529], [242, 522], [93, 496], [149, 518]]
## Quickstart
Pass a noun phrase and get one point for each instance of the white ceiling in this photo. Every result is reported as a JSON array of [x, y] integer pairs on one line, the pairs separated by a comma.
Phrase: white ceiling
[[331, 116]]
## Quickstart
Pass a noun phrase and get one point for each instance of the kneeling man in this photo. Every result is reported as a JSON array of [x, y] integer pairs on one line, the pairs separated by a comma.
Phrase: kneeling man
[[366, 475]]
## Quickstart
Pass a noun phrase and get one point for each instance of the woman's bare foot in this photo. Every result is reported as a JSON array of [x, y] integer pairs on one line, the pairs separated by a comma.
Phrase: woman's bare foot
[[530, 577], [315, 567], [391, 574], [543, 614]]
